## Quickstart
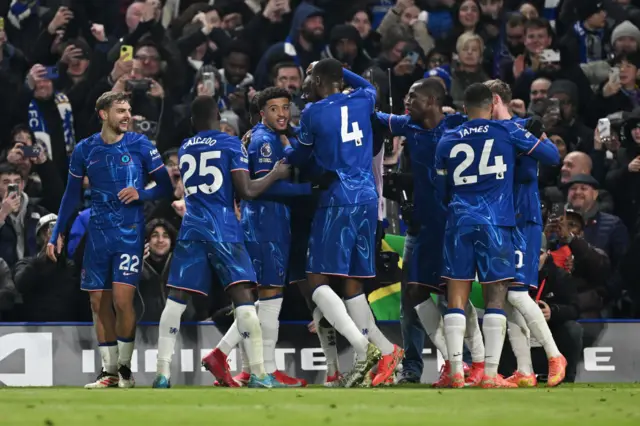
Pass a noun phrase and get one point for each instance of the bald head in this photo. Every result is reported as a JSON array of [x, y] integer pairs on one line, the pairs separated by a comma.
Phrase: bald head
[[575, 163]]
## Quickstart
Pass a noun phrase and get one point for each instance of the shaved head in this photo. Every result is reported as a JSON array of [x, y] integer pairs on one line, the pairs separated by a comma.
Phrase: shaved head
[[575, 163]]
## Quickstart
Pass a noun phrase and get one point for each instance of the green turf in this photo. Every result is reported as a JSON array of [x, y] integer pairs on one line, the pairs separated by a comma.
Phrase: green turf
[[583, 405]]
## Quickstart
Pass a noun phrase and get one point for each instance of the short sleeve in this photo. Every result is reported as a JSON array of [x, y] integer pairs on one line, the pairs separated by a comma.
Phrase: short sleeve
[[261, 156], [306, 130], [240, 158], [76, 164], [150, 156]]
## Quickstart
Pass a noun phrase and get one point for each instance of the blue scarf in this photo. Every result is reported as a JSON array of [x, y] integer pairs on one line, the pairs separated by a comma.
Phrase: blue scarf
[[583, 42], [290, 50], [39, 127]]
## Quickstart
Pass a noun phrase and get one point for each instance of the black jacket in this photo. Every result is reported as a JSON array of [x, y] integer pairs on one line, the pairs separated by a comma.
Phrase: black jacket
[[560, 292], [9, 296], [9, 238]]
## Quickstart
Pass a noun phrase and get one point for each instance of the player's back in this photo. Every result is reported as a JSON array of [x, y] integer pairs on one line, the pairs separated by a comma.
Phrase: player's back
[[206, 163], [480, 162], [111, 168], [340, 126]]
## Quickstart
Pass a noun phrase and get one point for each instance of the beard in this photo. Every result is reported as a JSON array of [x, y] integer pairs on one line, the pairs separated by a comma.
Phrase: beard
[[345, 58], [312, 36], [516, 50]]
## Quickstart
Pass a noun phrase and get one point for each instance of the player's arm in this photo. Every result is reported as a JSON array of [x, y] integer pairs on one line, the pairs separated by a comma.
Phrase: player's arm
[[70, 200], [261, 161], [441, 178], [354, 80], [248, 188], [152, 162], [300, 154], [542, 149], [396, 123]]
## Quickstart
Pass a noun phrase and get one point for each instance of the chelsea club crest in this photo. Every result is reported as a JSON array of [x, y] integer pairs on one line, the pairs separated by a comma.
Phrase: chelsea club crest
[[265, 150]]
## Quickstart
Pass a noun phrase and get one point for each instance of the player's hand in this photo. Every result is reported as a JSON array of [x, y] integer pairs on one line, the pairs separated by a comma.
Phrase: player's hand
[[546, 310], [282, 170], [634, 166], [312, 327], [310, 67], [246, 139], [284, 140], [448, 110], [180, 207], [128, 195], [147, 251], [54, 251], [518, 106]]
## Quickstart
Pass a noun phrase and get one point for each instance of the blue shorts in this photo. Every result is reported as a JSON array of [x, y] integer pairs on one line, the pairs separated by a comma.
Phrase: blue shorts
[[194, 263], [425, 263], [112, 256], [343, 241], [270, 262], [527, 241], [483, 249]]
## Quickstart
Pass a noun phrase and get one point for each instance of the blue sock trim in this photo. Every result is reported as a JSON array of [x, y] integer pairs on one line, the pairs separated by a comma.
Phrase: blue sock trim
[[277, 296], [518, 288], [353, 297], [126, 340], [244, 304], [454, 311], [494, 311], [182, 302], [107, 343]]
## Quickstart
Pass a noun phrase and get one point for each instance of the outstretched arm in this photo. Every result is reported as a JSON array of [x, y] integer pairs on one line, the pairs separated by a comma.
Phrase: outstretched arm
[[163, 187], [70, 200], [249, 189]]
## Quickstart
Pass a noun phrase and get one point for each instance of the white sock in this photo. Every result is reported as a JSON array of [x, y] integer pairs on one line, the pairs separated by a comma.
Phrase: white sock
[[455, 324], [244, 358], [519, 338], [532, 314], [494, 325], [473, 335], [433, 324], [169, 329], [109, 355], [125, 351], [251, 333], [360, 311], [269, 314], [327, 337], [231, 339], [334, 311]]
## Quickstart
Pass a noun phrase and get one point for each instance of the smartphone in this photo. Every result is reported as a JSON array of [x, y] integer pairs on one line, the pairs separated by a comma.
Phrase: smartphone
[[413, 57], [209, 82], [557, 211], [604, 128], [1, 23], [143, 85], [52, 73], [126, 53], [550, 56], [614, 75], [11, 188], [30, 151]]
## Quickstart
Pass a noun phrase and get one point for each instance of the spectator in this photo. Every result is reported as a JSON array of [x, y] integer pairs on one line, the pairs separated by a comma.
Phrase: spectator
[[538, 96], [288, 75], [360, 17], [407, 13], [50, 291], [586, 40], [9, 296], [470, 49], [620, 92], [18, 217], [511, 47], [345, 46]]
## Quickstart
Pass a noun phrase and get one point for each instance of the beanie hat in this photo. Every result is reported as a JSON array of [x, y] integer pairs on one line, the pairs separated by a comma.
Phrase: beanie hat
[[625, 29], [588, 8], [442, 73]]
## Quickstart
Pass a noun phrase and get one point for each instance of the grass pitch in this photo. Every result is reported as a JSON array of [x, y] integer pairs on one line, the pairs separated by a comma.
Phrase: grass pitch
[[601, 404]]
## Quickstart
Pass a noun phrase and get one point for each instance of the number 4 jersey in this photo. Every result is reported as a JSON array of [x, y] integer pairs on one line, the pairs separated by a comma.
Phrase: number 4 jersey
[[206, 163], [339, 129], [475, 165]]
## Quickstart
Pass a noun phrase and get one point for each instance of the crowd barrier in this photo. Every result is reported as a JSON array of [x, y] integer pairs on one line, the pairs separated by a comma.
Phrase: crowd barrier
[[66, 354]]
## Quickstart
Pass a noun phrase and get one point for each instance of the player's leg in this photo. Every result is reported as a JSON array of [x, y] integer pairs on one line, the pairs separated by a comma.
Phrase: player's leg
[[188, 273], [522, 302], [519, 338], [495, 260], [459, 270], [475, 344], [96, 279], [327, 255], [327, 337]]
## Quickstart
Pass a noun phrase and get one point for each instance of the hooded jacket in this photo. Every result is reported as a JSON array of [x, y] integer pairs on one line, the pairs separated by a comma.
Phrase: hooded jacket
[[290, 49], [357, 64]]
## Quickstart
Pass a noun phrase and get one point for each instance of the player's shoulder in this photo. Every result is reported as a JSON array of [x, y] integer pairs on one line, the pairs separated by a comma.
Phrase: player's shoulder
[[451, 121], [261, 135]]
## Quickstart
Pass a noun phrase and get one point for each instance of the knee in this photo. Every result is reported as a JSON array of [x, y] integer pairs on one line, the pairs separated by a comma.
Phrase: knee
[[179, 295], [416, 294], [122, 305]]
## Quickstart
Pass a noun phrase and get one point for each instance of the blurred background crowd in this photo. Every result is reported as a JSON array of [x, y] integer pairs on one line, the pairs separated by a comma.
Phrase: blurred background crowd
[[571, 62]]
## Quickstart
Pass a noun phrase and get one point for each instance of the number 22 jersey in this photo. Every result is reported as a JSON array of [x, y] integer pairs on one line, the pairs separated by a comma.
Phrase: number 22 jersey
[[206, 163], [477, 161]]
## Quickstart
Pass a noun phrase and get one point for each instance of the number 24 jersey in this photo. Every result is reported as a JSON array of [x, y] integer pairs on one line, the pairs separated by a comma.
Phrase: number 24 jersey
[[478, 159], [206, 163]]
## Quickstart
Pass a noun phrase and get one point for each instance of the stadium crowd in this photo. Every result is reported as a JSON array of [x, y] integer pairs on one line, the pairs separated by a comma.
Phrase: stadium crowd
[[572, 62]]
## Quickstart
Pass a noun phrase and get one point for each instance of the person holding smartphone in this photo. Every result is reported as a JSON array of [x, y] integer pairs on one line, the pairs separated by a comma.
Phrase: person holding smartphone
[[619, 92]]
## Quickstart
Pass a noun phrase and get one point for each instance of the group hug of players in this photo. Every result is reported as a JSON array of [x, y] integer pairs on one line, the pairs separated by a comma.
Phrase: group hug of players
[[464, 171]]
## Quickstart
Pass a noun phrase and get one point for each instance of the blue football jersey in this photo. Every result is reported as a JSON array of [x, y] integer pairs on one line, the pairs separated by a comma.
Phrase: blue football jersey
[[206, 163], [478, 159], [339, 129], [267, 218], [527, 195], [111, 168], [422, 145]]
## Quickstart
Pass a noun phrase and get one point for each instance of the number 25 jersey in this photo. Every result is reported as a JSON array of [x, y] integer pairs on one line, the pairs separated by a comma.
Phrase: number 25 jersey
[[339, 128], [206, 163], [478, 159]]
